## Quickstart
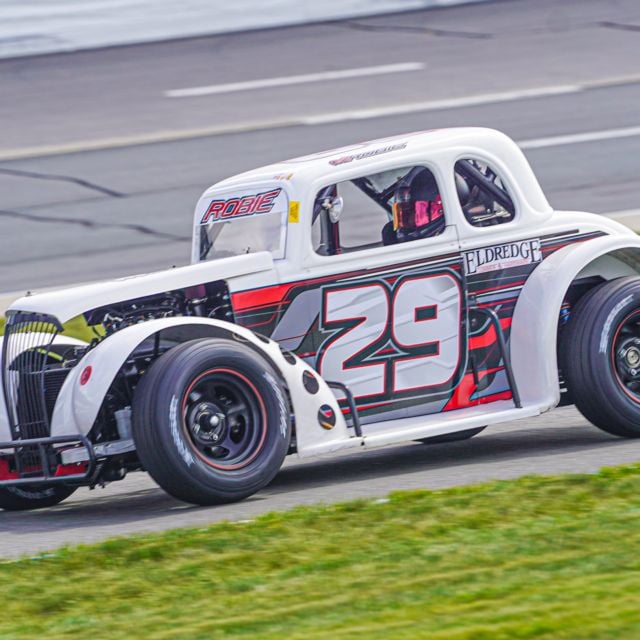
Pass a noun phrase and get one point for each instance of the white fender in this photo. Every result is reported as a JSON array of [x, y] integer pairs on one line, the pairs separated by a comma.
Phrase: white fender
[[5, 431], [535, 319], [81, 395]]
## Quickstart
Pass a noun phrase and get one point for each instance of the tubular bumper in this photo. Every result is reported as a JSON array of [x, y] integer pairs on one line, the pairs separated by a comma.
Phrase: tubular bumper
[[37, 461]]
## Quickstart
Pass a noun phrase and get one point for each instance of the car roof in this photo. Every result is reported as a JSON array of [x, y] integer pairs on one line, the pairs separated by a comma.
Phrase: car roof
[[372, 154]]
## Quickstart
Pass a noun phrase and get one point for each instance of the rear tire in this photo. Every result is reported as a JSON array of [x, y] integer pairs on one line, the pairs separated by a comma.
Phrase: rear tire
[[452, 437], [600, 356], [24, 498], [211, 422]]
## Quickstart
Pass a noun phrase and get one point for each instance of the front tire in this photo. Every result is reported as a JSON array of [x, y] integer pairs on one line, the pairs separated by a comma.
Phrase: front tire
[[211, 422], [600, 356], [23, 498]]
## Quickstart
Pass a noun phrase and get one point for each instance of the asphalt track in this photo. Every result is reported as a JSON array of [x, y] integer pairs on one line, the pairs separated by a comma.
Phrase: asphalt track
[[100, 169]]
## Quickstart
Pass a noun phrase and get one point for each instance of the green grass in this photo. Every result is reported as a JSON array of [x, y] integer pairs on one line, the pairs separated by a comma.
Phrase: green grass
[[549, 557]]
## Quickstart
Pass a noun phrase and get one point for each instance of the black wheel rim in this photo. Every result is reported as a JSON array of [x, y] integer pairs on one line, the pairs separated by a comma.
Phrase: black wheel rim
[[224, 418], [625, 354]]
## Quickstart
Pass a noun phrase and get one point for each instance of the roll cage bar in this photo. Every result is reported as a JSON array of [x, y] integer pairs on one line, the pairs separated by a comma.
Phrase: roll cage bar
[[329, 231]]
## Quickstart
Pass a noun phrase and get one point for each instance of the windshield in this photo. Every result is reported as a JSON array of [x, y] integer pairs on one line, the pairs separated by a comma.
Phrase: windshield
[[247, 223]]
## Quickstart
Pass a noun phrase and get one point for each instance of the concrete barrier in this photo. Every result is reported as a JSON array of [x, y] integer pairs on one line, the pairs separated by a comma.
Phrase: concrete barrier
[[49, 26]]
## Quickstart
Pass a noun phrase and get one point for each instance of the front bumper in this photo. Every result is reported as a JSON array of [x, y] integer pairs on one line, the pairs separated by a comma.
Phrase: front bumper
[[37, 461]]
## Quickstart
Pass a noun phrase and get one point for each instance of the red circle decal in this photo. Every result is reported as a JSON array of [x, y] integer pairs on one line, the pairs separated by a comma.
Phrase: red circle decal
[[85, 375]]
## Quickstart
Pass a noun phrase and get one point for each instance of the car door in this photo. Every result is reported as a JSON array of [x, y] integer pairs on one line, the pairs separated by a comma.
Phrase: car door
[[386, 311], [400, 318]]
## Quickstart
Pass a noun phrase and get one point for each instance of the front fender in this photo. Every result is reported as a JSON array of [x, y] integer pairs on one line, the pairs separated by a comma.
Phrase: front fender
[[81, 395], [535, 319]]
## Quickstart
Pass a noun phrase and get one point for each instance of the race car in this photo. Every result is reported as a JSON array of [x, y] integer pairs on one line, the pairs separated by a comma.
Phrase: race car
[[418, 287]]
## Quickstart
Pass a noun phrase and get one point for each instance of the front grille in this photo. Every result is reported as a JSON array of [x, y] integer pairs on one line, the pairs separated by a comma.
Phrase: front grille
[[26, 372], [53, 381]]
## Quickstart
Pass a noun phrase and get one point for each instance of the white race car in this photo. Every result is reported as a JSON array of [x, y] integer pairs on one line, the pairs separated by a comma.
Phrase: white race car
[[413, 288]]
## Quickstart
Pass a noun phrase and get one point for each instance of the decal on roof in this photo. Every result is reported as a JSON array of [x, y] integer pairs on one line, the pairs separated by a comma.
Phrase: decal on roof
[[367, 154]]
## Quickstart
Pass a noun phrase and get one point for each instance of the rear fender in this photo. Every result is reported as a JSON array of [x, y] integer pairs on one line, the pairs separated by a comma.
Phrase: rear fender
[[85, 388], [534, 329]]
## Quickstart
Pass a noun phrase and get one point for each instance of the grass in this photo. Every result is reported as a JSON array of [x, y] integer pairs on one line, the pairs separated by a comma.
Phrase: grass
[[553, 557]]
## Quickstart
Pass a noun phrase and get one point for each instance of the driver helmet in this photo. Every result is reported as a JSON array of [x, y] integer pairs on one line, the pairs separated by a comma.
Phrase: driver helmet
[[417, 206]]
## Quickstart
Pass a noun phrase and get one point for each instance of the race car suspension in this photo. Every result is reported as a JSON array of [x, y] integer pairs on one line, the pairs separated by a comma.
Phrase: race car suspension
[[494, 320], [353, 409]]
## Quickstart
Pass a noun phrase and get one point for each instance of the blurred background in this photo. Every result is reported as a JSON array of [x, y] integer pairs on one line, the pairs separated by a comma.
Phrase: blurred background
[[115, 115]]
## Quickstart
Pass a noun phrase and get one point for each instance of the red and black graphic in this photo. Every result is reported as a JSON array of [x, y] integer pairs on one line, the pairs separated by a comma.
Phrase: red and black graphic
[[394, 339], [408, 338], [238, 207]]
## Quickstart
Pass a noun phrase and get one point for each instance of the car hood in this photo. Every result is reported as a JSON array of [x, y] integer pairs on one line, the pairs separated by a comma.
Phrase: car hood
[[68, 303]]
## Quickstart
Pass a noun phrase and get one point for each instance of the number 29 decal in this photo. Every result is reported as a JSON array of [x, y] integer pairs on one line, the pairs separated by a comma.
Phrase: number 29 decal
[[401, 340]]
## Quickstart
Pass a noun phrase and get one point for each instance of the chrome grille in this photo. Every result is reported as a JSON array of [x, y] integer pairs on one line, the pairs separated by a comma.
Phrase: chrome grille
[[25, 360]]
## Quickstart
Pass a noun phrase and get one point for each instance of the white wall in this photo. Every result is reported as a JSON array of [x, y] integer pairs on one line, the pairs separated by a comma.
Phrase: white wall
[[29, 27]]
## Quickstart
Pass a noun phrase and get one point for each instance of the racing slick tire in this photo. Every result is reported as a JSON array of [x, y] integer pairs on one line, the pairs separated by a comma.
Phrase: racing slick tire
[[25, 498], [452, 437], [211, 421], [600, 356]]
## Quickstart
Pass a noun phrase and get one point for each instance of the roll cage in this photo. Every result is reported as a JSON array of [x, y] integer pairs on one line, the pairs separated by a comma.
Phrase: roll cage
[[482, 184]]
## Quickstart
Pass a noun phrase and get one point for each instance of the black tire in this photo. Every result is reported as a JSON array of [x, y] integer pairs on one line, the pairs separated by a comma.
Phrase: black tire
[[211, 421], [600, 356], [452, 437], [565, 336], [26, 497]]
